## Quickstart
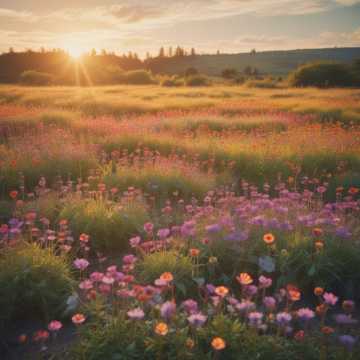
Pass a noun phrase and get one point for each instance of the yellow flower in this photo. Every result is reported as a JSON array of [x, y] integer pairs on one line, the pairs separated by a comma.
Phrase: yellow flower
[[218, 343], [244, 279], [161, 329], [213, 260]]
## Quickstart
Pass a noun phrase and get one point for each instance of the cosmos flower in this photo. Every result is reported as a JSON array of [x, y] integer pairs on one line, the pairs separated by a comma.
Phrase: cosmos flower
[[78, 319], [81, 264], [197, 320], [330, 298], [136, 314], [161, 329], [168, 309], [244, 279], [55, 325], [218, 343], [269, 239], [305, 314], [283, 318]]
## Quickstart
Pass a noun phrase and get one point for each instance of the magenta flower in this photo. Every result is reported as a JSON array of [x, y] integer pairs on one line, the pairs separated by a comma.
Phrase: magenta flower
[[55, 326], [135, 241], [136, 314], [86, 285], [330, 298], [255, 318], [163, 233], [269, 302], [148, 227], [129, 259], [96, 276], [81, 264]]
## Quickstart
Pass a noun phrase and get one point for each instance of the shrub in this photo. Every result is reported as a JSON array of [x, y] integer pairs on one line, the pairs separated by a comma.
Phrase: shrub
[[191, 72], [109, 226], [155, 264], [229, 73], [322, 74], [139, 77], [197, 80], [33, 282], [171, 82], [262, 84], [35, 78]]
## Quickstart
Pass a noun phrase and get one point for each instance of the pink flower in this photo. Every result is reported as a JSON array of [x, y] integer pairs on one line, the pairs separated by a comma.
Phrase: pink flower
[[148, 227], [55, 325], [96, 276], [108, 280], [86, 285], [330, 298], [305, 314], [78, 319], [81, 264], [163, 233], [264, 282], [136, 314], [135, 241]]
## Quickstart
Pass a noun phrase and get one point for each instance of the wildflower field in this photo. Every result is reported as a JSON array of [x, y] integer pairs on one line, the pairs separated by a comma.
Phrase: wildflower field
[[143, 222]]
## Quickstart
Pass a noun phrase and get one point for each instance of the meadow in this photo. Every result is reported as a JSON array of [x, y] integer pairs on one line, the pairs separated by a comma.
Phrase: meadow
[[145, 222]]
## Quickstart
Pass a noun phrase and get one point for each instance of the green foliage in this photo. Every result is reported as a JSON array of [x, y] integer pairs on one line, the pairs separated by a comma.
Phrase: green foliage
[[139, 77], [323, 75], [197, 80], [172, 82], [110, 225], [35, 78], [229, 73], [33, 282], [153, 265], [190, 72]]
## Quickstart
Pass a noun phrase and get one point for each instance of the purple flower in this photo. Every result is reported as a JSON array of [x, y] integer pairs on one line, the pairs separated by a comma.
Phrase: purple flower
[[250, 290], [81, 264], [197, 319], [136, 314], [255, 318], [245, 305], [330, 298], [269, 302], [348, 341], [214, 228], [187, 229], [168, 309], [305, 314], [190, 306], [283, 318], [343, 319]]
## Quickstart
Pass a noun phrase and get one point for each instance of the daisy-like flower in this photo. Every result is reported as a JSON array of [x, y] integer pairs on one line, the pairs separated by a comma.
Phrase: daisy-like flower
[[167, 277], [244, 279], [190, 306], [221, 291], [264, 282], [161, 329], [218, 343], [135, 241], [269, 239], [168, 309], [283, 318]]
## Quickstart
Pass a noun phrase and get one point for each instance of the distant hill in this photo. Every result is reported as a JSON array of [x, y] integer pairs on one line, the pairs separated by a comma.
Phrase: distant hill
[[277, 63]]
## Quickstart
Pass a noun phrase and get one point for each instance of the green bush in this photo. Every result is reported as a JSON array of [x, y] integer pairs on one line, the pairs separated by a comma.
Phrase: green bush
[[109, 226], [171, 82], [139, 77], [35, 78], [155, 264], [33, 282], [323, 75], [191, 72], [197, 80], [229, 73]]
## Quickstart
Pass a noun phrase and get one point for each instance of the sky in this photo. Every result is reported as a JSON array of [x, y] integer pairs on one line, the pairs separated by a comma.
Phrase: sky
[[230, 26]]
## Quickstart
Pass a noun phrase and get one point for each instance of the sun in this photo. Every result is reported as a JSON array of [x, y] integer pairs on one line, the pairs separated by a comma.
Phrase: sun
[[75, 51], [74, 46]]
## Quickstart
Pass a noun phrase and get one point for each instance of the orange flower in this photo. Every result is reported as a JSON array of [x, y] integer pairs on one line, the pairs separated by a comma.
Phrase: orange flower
[[339, 189], [321, 309], [167, 276], [221, 291], [294, 293], [317, 231], [269, 239], [353, 190], [319, 245], [22, 338], [327, 330], [194, 252], [161, 329], [318, 291], [13, 194], [244, 279], [218, 343]]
